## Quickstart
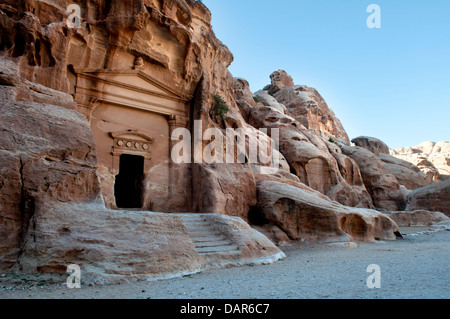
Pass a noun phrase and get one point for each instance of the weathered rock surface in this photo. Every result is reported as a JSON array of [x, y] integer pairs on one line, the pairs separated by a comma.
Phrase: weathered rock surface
[[417, 218], [308, 107], [280, 80], [434, 197], [432, 158], [225, 189], [301, 213], [46, 151], [406, 173], [382, 186], [318, 164], [372, 144], [114, 246], [270, 101]]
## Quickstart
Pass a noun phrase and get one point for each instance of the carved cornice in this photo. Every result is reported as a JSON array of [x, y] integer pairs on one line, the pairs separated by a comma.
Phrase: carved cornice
[[132, 142], [113, 86]]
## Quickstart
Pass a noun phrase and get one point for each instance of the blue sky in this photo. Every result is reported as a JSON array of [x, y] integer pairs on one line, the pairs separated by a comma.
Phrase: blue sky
[[392, 83]]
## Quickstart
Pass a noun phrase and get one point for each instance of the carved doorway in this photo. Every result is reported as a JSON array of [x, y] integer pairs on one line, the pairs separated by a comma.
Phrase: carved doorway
[[128, 188]]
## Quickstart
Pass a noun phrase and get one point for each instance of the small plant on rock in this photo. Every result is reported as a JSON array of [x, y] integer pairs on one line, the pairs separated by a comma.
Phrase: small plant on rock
[[219, 106]]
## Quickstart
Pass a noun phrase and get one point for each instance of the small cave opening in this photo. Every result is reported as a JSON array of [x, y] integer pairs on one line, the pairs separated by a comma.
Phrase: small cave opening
[[256, 217]]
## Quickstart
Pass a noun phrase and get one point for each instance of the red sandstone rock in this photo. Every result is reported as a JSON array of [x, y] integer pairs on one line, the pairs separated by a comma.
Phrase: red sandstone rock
[[406, 173], [372, 144], [434, 197], [308, 107], [318, 164], [382, 186], [302, 214]]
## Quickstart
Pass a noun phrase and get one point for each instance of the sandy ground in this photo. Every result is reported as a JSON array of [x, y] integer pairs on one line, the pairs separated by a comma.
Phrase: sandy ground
[[416, 267]]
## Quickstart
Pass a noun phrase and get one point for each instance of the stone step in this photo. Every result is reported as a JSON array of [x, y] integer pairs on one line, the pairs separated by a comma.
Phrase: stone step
[[201, 236], [193, 219], [213, 244], [207, 239], [217, 249], [225, 253], [199, 229], [194, 232]]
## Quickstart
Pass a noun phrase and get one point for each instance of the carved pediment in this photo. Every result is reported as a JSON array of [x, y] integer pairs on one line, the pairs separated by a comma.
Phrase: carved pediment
[[132, 88], [132, 142]]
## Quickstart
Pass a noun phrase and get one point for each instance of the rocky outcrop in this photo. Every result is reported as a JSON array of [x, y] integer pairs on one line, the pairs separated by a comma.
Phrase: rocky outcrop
[[372, 144], [434, 197], [308, 107], [380, 183], [303, 214], [432, 158], [279, 80], [268, 100], [225, 189], [317, 163], [113, 246], [407, 174], [47, 152], [417, 218]]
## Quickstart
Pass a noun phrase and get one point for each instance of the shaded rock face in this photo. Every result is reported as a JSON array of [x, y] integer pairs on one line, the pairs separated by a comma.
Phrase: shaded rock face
[[380, 183], [432, 158], [47, 153], [434, 197], [372, 144], [225, 189]]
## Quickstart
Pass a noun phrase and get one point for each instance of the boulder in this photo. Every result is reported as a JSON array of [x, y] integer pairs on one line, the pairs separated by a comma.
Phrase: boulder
[[434, 197], [372, 144], [406, 173], [280, 80], [417, 218], [382, 186], [302, 214], [112, 246], [268, 100]]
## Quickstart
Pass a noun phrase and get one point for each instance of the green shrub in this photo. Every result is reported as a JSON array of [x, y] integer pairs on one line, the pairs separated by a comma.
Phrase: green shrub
[[257, 99], [219, 106]]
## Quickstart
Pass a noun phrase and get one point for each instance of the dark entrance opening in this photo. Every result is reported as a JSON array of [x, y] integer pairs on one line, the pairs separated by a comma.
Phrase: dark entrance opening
[[128, 186]]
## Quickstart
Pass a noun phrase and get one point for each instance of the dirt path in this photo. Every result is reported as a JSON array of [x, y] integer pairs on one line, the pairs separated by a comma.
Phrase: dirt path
[[416, 267]]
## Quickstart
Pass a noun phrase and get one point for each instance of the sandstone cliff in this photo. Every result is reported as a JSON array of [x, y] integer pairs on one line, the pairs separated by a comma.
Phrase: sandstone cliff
[[76, 101], [432, 158]]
